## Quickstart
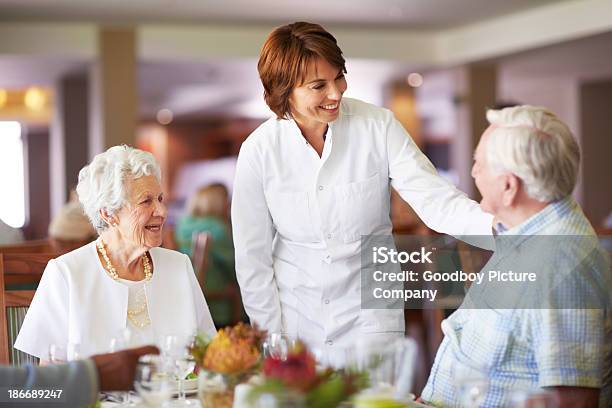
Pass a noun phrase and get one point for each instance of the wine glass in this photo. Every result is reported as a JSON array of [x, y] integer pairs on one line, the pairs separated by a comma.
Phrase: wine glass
[[74, 351], [57, 354], [471, 384], [390, 368], [184, 365], [173, 345], [278, 345], [404, 361], [175, 349], [121, 341], [534, 398], [153, 380]]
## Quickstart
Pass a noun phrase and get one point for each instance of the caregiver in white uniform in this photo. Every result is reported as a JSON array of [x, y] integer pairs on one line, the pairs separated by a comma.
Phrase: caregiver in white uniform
[[310, 182]]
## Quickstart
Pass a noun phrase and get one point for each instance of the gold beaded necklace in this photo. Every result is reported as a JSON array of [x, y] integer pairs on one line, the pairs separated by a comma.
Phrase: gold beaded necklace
[[139, 309], [141, 303], [111, 269]]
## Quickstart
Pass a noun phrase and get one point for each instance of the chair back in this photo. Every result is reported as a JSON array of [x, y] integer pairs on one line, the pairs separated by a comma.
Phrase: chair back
[[200, 251], [200, 246], [63, 246], [17, 268], [29, 247], [22, 268]]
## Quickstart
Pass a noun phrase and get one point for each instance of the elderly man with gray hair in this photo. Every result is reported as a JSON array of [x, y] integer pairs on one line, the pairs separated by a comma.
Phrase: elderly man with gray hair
[[550, 339]]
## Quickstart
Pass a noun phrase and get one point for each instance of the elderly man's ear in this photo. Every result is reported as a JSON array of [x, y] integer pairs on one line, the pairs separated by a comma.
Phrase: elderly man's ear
[[109, 218], [512, 186]]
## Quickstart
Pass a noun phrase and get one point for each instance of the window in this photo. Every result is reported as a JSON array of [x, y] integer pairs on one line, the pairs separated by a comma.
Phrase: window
[[12, 181]]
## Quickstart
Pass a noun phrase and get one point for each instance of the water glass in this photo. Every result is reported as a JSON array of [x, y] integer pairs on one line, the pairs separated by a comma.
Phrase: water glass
[[153, 381], [536, 398], [57, 354], [74, 351], [471, 385], [278, 345], [121, 341], [390, 367]]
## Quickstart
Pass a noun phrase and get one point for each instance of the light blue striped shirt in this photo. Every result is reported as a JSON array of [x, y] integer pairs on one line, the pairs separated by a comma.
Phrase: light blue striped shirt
[[520, 349]]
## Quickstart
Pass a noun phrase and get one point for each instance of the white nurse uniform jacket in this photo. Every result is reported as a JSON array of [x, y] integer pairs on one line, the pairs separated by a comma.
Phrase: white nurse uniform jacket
[[298, 220]]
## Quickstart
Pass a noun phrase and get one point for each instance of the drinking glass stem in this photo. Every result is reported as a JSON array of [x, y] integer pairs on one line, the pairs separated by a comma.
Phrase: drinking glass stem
[[181, 389]]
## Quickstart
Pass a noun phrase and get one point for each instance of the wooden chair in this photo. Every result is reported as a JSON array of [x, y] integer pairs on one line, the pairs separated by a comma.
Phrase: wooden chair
[[44, 246], [200, 247], [62, 246], [22, 268], [29, 247], [17, 268]]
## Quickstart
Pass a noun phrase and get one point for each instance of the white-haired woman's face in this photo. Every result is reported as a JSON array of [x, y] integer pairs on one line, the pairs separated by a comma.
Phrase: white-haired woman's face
[[142, 218]]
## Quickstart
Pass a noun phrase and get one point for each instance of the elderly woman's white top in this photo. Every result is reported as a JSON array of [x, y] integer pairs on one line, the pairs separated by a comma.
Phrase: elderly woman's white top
[[77, 302]]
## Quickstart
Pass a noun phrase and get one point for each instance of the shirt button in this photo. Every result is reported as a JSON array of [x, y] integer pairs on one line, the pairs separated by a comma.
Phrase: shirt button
[[327, 301], [320, 188], [329, 342]]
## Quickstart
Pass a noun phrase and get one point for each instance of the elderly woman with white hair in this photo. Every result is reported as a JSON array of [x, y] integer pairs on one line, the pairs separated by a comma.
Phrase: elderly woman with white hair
[[123, 279]]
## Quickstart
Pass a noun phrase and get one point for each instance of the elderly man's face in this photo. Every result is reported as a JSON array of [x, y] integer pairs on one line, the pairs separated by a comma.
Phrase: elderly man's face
[[142, 218], [489, 183]]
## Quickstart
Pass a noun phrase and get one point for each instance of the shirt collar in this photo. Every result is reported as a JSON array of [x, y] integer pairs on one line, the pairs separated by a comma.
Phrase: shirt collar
[[548, 215]]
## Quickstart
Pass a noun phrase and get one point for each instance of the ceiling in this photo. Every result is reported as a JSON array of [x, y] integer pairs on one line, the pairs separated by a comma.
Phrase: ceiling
[[418, 14], [230, 86]]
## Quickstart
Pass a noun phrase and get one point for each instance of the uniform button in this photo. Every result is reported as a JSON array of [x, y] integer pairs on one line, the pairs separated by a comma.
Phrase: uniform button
[[329, 342], [329, 236], [327, 301], [320, 188]]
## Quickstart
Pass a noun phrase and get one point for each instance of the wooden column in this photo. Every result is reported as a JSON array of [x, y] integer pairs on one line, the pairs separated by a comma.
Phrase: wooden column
[[114, 90], [476, 88]]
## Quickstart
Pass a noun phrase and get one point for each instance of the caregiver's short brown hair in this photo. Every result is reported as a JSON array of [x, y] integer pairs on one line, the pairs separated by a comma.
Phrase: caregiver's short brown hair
[[286, 56]]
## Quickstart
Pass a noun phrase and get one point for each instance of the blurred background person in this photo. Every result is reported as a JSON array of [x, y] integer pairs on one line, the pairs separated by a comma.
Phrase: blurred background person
[[208, 211], [71, 228]]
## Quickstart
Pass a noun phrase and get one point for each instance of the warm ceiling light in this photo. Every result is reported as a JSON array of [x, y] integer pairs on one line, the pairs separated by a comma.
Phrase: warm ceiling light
[[164, 116], [3, 97], [415, 80], [35, 98]]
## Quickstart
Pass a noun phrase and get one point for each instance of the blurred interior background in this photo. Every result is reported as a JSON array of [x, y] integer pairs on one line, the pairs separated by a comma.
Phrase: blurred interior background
[[179, 78]]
